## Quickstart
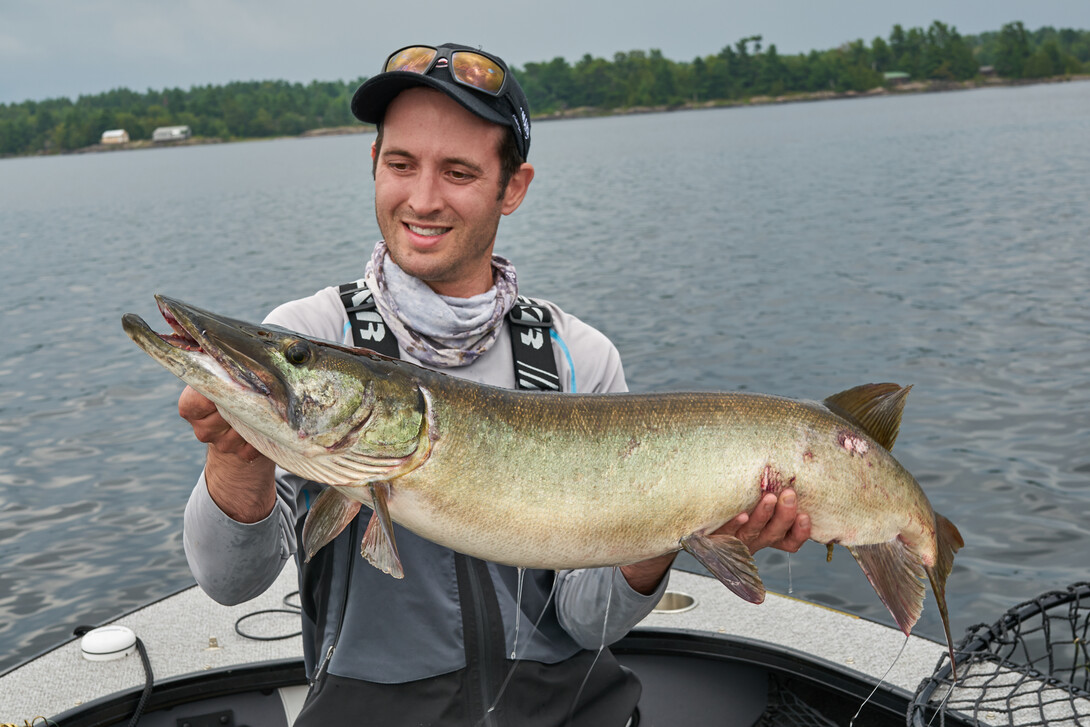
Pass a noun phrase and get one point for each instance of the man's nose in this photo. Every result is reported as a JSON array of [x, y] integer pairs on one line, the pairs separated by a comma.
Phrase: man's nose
[[426, 195]]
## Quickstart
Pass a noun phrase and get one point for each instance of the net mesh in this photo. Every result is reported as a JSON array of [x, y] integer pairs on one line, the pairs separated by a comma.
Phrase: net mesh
[[1031, 667], [786, 708]]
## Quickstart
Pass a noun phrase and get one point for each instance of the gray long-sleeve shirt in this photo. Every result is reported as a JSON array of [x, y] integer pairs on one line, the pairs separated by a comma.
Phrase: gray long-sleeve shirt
[[392, 631]]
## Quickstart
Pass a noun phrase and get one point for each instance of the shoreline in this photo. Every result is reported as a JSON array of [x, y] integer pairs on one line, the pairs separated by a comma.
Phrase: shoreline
[[585, 112]]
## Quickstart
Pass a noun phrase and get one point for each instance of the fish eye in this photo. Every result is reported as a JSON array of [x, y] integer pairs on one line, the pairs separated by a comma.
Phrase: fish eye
[[298, 353]]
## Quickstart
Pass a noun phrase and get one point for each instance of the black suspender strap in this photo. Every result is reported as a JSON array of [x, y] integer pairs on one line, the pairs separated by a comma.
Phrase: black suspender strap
[[529, 321], [368, 328], [531, 344]]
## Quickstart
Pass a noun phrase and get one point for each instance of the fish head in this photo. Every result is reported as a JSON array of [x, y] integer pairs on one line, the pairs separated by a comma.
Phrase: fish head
[[281, 390]]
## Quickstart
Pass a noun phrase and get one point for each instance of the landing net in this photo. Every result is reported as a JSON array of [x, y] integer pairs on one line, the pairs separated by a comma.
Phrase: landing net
[[1031, 667]]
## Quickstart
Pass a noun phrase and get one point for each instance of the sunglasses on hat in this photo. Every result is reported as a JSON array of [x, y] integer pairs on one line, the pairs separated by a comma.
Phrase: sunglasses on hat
[[472, 68]]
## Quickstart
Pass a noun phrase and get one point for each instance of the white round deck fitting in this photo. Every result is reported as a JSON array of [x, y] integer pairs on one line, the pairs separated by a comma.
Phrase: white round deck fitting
[[107, 643]]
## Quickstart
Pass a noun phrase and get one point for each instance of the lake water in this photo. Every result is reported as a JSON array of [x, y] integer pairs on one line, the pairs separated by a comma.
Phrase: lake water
[[935, 240]]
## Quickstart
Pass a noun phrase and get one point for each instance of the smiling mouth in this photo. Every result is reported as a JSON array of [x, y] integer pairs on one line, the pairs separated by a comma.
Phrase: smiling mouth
[[427, 231]]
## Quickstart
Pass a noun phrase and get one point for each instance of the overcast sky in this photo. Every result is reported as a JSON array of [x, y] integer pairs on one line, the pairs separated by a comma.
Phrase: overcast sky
[[52, 48]]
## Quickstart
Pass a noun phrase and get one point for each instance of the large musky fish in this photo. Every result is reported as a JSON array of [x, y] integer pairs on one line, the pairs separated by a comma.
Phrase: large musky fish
[[555, 481]]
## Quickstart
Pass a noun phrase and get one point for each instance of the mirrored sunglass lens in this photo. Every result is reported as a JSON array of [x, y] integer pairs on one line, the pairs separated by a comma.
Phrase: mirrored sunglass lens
[[477, 71], [413, 60]]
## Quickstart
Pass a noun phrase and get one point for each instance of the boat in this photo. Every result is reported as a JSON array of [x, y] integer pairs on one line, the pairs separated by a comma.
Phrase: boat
[[704, 657]]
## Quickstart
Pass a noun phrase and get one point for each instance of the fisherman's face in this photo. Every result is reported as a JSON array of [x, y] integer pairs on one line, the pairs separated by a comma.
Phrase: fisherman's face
[[437, 194]]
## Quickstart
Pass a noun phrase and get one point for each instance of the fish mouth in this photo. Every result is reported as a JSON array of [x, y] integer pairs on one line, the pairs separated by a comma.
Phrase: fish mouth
[[200, 339]]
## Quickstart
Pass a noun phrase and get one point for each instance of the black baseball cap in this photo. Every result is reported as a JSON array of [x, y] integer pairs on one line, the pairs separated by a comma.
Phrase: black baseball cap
[[509, 108]]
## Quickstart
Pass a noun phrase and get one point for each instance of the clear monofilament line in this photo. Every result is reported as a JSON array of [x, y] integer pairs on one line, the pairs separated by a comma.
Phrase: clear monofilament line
[[514, 649], [601, 648], [518, 615], [881, 681]]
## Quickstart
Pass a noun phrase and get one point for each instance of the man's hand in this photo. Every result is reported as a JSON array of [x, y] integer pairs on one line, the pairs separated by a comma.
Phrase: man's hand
[[774, 523], [211, 428], [239, 478]]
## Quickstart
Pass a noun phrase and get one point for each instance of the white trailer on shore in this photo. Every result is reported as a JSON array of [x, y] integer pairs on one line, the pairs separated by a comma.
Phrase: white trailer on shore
[[171, 133]]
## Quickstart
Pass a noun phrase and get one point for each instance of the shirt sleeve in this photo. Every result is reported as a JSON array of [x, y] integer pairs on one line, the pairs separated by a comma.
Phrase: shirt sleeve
[[231, 561], [597, 607]]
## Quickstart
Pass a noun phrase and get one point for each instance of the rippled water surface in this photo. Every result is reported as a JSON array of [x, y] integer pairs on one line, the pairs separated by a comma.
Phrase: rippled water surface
[[934, 240]]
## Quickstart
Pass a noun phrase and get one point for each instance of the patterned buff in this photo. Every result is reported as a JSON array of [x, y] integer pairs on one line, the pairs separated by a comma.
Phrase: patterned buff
[[436, 329]]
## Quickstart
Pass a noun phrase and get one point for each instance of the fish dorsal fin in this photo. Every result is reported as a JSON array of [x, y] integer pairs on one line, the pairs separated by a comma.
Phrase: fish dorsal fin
[[876, 408]]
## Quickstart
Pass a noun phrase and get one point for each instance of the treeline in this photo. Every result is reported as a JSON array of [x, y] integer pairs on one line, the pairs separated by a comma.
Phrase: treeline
[[237, 110], [747, 69], [743, 70]]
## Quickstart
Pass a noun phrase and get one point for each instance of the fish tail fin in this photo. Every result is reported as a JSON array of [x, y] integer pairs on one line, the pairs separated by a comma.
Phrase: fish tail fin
[[728, 559], [897, 575], [949, 541]]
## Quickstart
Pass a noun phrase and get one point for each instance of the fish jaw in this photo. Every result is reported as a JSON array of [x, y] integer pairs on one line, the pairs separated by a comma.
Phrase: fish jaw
[[240, 367], [317, 409], [194, 358]]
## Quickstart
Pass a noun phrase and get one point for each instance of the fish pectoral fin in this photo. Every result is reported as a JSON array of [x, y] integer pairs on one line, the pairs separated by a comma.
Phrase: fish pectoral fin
[[378, 546], [329, 515], [728, 559], [876, 408], [949, 542], [897, 575]]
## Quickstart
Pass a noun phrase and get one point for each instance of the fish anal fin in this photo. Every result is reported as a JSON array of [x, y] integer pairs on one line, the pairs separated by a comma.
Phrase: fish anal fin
[[728, 559], [897, 575], [949, 542], [876, 408], [379, 547], [327, 517]]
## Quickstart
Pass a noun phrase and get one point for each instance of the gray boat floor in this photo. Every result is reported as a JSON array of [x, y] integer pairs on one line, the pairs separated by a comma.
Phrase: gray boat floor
[[189, 632]]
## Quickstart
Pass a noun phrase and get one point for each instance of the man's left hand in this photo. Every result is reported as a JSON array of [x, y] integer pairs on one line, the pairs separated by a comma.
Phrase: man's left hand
[[774, 523]]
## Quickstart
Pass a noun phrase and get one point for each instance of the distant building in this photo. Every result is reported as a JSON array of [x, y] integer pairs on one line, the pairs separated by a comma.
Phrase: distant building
[[171, 133], [115, 136], [896, 77]]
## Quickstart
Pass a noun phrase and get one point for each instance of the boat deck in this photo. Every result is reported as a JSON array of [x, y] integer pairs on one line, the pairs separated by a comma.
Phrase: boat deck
[[188, 634]]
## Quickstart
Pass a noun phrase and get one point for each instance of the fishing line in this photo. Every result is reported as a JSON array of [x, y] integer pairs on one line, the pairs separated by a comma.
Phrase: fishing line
[[514, 657], [881, 681], [518, 613], [601, 648], [941, 709]]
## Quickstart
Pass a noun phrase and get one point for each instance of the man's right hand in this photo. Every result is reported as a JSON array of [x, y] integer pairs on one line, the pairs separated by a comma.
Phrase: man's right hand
[[239, 478], [211, 428]]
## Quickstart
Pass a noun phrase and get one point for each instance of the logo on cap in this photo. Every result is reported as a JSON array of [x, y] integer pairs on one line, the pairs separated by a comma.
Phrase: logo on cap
[[525, 123]]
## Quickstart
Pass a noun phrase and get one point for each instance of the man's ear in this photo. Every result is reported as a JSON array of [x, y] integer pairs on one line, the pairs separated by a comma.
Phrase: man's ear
[[516, 188]]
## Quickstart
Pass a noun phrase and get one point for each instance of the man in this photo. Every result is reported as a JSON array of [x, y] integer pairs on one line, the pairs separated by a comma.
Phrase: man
[[449, 161]]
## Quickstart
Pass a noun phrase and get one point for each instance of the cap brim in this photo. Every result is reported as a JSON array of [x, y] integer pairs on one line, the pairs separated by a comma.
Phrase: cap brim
[[375, 94]]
